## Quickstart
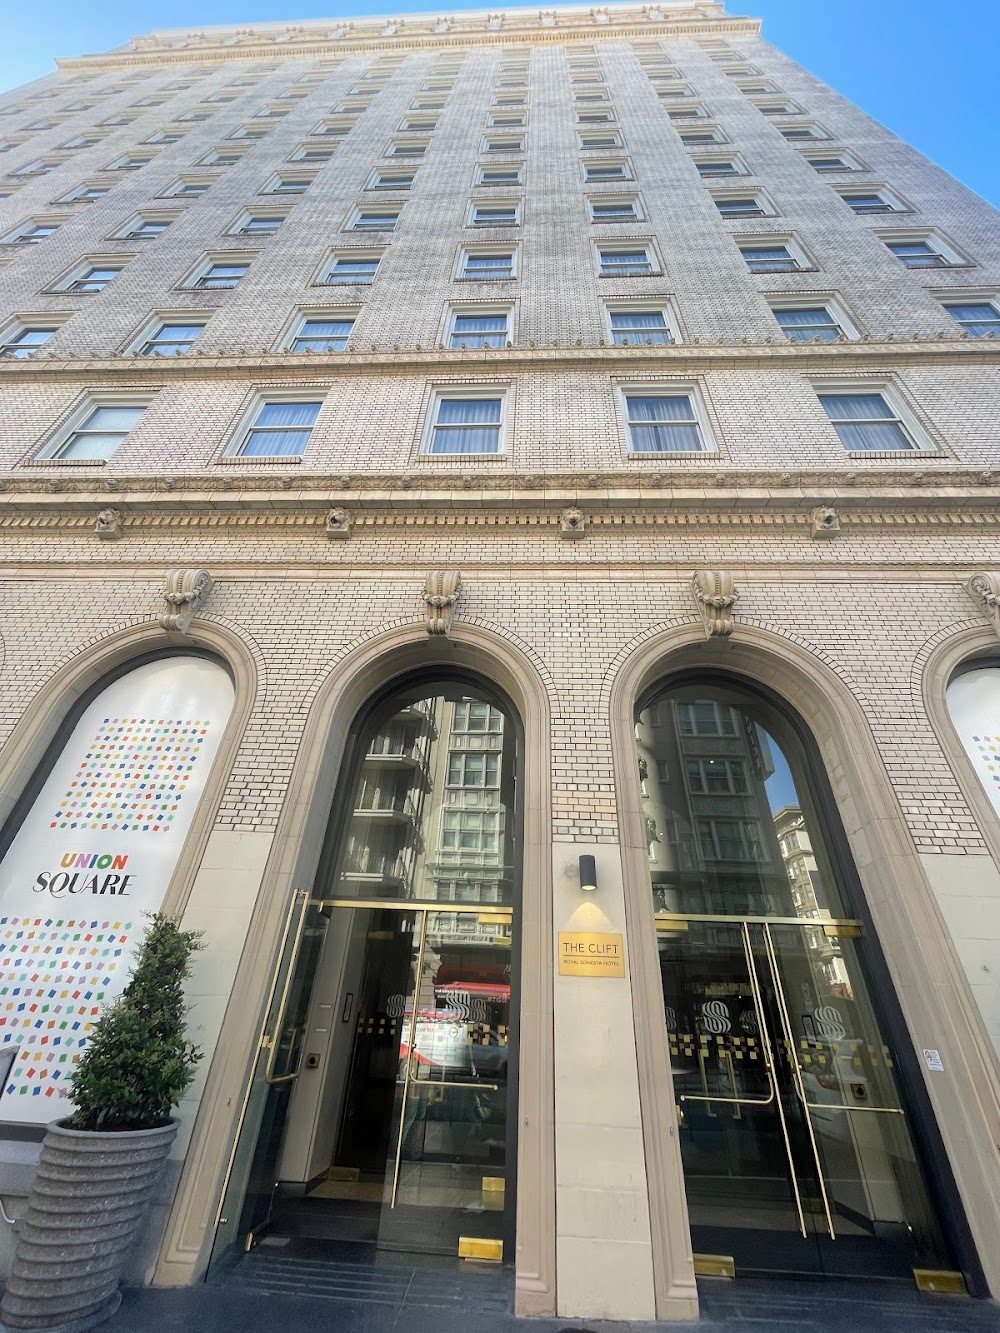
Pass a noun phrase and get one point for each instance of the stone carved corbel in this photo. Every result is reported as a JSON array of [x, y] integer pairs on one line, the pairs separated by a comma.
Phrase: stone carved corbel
[[572, 524], [185, 591], [715, 594], [108, 525], [984, 589], [338, 524], [825, 523], [441, 588]]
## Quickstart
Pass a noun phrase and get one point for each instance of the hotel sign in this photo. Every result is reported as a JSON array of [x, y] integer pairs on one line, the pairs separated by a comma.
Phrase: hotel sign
[[590, 955]]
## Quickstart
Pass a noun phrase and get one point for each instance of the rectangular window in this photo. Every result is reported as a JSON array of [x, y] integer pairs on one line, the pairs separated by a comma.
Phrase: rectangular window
[[640, 328], [807, 323], [146, 228], [21, 342], [221, 277], [353, 268], [30, 233], [865, 421], [479, 330], [693, 138], [290, 185], [869, 202], [716, 777], [392, 180], [319, 334], [471, 831], [918, 254], [101, 432], [631, 263], [188, 189], [503, 145], [257, 225], [769, 259], [476, 718], [171, 339], [663, 424], [495, 264], [742, 206], [605, 171], [705, 719], [796, 134], [370, 219], [730, 840], [279, 430], [466, 426], [830, 163], [717, 166], [406, 150], [473, 769], [85, 194], [92, 279], [977, 318], [613, 210], [498, 176], [494, 215]]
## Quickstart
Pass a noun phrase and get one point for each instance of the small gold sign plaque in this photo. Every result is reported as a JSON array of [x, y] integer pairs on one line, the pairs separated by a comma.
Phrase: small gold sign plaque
[[590, 955]]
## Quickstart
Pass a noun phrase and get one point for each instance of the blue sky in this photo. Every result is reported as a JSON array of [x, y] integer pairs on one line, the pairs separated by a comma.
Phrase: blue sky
[[925, 69]]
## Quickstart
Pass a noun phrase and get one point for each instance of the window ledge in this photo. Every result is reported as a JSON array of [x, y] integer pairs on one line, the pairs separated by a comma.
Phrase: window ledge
[[683, 454], [855, 455], [463, 458], [65, 462]]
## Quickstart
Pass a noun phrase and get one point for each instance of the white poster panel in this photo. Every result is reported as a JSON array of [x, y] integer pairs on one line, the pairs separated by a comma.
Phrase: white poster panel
[[974, 705], [97, 851]]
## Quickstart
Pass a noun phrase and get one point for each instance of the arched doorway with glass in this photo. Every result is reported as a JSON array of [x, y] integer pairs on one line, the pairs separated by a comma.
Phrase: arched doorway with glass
[[380, 1113], [800, 1136]]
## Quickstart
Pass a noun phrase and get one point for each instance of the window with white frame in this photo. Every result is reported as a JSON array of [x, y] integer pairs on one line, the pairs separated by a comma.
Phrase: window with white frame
[[979, 319], [146, 226], [469, 422], [328, 332], [741, 205], [778, 108], [87, 193], [471, 830], [170, 339], [716, 777], [165, 136], [91, 277], [802, 133], [477, 328], [80, 141], [511, 175], [687, 113], [866, 420], [922, 252], [41, 167], [30, 233], [373, 219], [662, 422], [474, 718], [832, 162], [18, 340], [288, 184], [502, 144], [870, 201], [278, 428], [221, 157], [406, 148], [639, 326], [257, 224], [391, 180], [505, 214], [601, 170], [609, 208], [695, 138], [777, 257], [97, 431], [313, 153], [710, 167], [491, 264], [809, 323], [130, 162], [357, 266], [471, 768], [220, 274], [258, 131], [189, 187], [626, 261], [590, 143]]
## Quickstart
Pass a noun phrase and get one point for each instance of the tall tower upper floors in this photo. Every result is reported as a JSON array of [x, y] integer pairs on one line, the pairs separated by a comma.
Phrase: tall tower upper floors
[[639, 242]]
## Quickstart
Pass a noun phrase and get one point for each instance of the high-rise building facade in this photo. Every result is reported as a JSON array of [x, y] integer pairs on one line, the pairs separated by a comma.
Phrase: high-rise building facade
[[440, 451]]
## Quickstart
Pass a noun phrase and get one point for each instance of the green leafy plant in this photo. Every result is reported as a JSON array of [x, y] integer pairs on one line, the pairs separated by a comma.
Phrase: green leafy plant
[[138, 1061]]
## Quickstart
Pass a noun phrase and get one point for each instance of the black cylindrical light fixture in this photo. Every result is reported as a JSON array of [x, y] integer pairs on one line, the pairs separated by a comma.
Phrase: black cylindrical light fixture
[[588, 874]]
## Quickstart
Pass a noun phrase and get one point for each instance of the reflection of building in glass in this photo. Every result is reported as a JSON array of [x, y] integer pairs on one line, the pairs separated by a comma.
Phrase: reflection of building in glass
[[430, 814], [709, 828], [807, 891]]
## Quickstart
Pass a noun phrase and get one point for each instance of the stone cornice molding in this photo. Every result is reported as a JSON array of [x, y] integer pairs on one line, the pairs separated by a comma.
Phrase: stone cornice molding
[[413, 34], [684, 358]]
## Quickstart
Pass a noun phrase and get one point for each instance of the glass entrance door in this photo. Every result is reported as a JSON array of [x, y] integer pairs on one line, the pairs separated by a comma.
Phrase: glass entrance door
[[796, 1147]]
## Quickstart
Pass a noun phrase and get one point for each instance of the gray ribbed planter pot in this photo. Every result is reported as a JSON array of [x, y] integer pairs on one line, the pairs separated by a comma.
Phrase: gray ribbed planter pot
[[87, 1205]]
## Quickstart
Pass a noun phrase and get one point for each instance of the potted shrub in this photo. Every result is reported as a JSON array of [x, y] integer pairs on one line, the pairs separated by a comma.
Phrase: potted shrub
[[98, 1166]]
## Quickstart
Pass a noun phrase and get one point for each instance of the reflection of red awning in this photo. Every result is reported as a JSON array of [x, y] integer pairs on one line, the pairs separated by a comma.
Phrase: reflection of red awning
[[484, 990]]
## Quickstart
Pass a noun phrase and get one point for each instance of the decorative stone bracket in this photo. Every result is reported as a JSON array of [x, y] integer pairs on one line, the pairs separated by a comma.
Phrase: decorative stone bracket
[[338, 524], [825, 523], [715, 594], [572, 524], [185, 591], [441, 588], [108, 525], [984, 589]]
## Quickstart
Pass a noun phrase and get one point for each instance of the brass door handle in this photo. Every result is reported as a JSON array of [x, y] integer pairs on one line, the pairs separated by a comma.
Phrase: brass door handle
[[274, 1037]]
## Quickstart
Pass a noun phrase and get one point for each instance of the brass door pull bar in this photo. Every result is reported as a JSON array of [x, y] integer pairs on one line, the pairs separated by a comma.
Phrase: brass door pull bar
[[445, 1083], [279, 1022]]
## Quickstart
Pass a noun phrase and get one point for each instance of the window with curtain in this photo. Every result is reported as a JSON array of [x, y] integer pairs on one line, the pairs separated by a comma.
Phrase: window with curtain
[[322, 335], [973, 700], [479, 330], [488, 265], [171, 339], [467, 426], [663, 424], [769, 259], [280, 430], [632, 328], [808, 323], [101, 432], [865, 421], [626, 263], [917, 254], [977, 318]]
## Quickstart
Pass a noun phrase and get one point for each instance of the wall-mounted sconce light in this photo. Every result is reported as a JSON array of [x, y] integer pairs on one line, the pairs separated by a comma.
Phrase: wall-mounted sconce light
[[588, 874]]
